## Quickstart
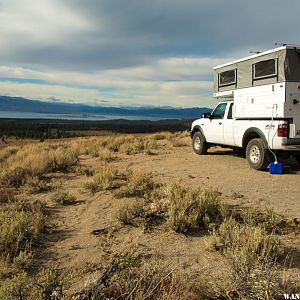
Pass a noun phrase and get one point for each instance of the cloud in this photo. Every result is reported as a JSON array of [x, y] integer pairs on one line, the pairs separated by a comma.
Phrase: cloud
[[132, 52], [171, 81]]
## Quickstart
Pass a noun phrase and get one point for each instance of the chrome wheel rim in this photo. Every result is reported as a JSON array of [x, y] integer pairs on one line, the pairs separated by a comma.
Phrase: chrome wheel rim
[[254, 154], [197, 143]]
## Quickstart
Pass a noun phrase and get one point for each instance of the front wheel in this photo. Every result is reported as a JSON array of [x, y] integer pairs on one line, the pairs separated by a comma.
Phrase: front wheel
[[199, 143], [257, 155]]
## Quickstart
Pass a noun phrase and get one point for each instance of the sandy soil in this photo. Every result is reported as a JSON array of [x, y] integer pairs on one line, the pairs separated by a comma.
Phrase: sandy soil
[[86, 234]]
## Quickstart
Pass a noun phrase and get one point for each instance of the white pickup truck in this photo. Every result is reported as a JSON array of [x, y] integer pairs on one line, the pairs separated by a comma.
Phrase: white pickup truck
[[257, 137], [261, 109]]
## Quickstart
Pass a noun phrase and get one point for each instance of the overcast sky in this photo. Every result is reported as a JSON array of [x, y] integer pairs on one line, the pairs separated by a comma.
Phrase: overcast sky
[[132, 52]]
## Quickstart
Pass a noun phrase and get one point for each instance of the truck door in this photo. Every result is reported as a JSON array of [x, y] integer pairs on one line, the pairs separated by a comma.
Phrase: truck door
[[228, 127], [214, 125]]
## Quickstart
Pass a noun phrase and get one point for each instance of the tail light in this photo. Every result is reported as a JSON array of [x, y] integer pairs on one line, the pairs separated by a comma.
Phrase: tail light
[[283, 130]]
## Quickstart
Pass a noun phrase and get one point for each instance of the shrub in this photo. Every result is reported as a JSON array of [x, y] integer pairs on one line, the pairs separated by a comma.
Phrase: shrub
[[19, 227], [137, 185], [178, 142], [6, 153], [23, 260], [16, 287], [251, 254], [62, 159], [129, 277], [7, 195], [130, 210], [14, 177], [132, 147], [149, 146], [63, 198], [267, 218], [34, 185], [48, 284], [191, 209], [160, 136], [36, 160], [104, 179]]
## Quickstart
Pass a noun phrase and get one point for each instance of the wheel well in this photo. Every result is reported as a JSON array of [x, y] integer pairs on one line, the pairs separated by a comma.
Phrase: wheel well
[[195, 129], [253, 134]]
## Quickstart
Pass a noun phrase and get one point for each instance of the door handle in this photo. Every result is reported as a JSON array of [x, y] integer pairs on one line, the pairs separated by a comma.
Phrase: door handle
[[220, 123]]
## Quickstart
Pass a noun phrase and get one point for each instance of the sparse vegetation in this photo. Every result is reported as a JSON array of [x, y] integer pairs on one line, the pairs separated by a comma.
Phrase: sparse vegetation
[[130, 277], [137, 185], [267, 218], [63, 198], [192, 209], [36, 160], [103, 179], [130, 210], [247, 241], [20, 225], [252, 255]]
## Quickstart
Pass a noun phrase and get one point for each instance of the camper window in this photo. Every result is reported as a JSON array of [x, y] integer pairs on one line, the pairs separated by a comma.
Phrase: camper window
[[227, 78], [264, 69]]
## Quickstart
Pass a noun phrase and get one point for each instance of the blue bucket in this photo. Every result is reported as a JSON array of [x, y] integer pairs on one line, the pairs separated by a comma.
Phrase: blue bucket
[[275, 168]]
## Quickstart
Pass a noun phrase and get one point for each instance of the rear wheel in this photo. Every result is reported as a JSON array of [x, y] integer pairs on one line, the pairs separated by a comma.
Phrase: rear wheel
[[199, 143], [257, 155]]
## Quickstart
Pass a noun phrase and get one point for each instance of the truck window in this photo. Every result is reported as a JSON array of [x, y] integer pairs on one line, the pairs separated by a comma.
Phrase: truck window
[[219, 111], [229, 115]]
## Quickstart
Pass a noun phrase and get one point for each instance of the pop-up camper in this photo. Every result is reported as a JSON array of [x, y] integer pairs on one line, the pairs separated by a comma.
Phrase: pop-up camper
[[264, 85], [259, 109]]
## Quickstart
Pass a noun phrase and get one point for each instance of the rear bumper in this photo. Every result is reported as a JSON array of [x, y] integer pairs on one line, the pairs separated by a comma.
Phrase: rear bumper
[[291, 142]]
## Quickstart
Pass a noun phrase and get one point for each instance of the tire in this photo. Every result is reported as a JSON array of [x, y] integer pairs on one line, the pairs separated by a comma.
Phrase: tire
[[257, 155], [199, 143]]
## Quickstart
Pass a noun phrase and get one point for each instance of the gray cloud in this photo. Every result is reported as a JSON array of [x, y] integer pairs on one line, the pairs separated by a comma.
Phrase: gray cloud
[[94, 35]]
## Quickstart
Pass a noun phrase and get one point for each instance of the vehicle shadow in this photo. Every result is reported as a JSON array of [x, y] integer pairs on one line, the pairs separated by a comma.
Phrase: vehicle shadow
[[290, 165]]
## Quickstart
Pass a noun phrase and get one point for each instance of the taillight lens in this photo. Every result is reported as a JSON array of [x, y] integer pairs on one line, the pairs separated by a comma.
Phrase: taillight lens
[[283, 130]]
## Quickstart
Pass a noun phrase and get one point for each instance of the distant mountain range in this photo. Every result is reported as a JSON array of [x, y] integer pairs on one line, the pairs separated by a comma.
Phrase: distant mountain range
[[18, 104]]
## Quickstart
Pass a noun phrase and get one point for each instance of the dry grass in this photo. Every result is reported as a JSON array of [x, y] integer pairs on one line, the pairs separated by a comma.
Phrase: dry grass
[[129, 277], [103, 179], [267, 218], [245, 238], [6, 153], [251, 253], [36, 160], [63, 198], [7, 195], [20, 225], [47, 284], [188, 209], [130, 210], [137, 185], [34, 185], [165, 135], [15, 288]]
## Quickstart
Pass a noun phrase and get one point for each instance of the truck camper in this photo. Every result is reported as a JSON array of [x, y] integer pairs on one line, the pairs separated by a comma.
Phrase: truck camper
[[259, 109]]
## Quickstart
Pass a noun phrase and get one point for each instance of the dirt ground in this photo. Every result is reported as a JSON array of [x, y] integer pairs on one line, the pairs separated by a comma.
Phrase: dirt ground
[[87, 233]]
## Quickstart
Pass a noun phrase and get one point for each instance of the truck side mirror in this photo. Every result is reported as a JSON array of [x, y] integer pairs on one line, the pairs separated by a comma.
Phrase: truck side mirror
[[206, 115]]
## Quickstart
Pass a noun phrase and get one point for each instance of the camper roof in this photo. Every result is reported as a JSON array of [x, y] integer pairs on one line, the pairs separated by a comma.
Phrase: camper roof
[[259, 54]]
